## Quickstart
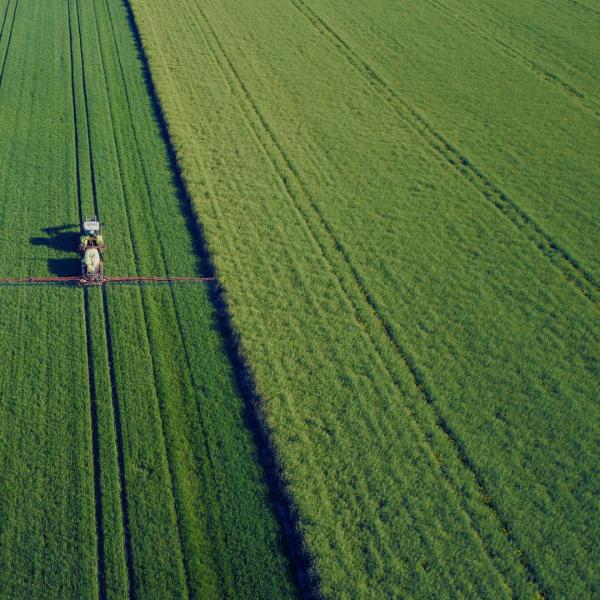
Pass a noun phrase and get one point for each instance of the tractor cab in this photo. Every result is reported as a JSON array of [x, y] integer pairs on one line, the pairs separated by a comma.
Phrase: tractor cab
[[91, 235], [91, 245]]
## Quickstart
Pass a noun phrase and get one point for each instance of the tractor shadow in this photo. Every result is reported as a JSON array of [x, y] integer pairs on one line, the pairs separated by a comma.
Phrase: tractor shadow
[[64, 267], [61, 238]]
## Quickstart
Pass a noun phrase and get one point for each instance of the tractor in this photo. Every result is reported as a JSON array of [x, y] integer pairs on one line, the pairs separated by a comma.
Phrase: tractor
[[91, 245]]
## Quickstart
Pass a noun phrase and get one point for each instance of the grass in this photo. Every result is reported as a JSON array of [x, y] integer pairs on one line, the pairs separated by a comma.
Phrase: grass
[[414, 294], [129, 468]]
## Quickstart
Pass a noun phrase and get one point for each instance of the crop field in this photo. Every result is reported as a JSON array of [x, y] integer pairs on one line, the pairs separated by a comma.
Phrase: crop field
[[128, 468], [401, 201], [392, 388]]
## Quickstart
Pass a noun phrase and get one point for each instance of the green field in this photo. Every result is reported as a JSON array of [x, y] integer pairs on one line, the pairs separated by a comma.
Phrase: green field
[[392, 390], [401, 199], [128, 468]]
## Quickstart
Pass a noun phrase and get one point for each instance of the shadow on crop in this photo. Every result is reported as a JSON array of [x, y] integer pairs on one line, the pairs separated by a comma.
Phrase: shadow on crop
[[61, 238], [64, 267]]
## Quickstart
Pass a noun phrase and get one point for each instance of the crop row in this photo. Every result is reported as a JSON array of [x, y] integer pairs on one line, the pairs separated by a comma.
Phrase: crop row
[[129, 468]]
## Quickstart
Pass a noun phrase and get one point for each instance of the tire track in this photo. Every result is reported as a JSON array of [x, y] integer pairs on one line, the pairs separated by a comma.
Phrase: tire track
[[518, 56], [90, 148], [10, 35], [441, 147], [356, 308], [165, 448], [96, 465], [95, 450], [109, 345], [4, 19], [584, 8], [291, 173], [120, 449], [180, 334], [302, 565]]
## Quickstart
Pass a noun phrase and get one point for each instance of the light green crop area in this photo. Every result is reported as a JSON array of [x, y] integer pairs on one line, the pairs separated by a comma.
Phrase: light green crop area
[[127, 468], [401, 199]]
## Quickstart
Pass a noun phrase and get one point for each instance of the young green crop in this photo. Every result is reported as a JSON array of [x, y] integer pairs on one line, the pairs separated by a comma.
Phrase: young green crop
[[171, 440], [128, 468], [526, 128], [418, 313], [48, 535]]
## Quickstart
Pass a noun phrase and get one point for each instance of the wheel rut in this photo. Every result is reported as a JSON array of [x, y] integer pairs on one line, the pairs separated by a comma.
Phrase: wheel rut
[[96, 465], [95, 450], [101, 551], [520, 57], [10, 36], [120, 450], [4, 17], [584, 8]]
